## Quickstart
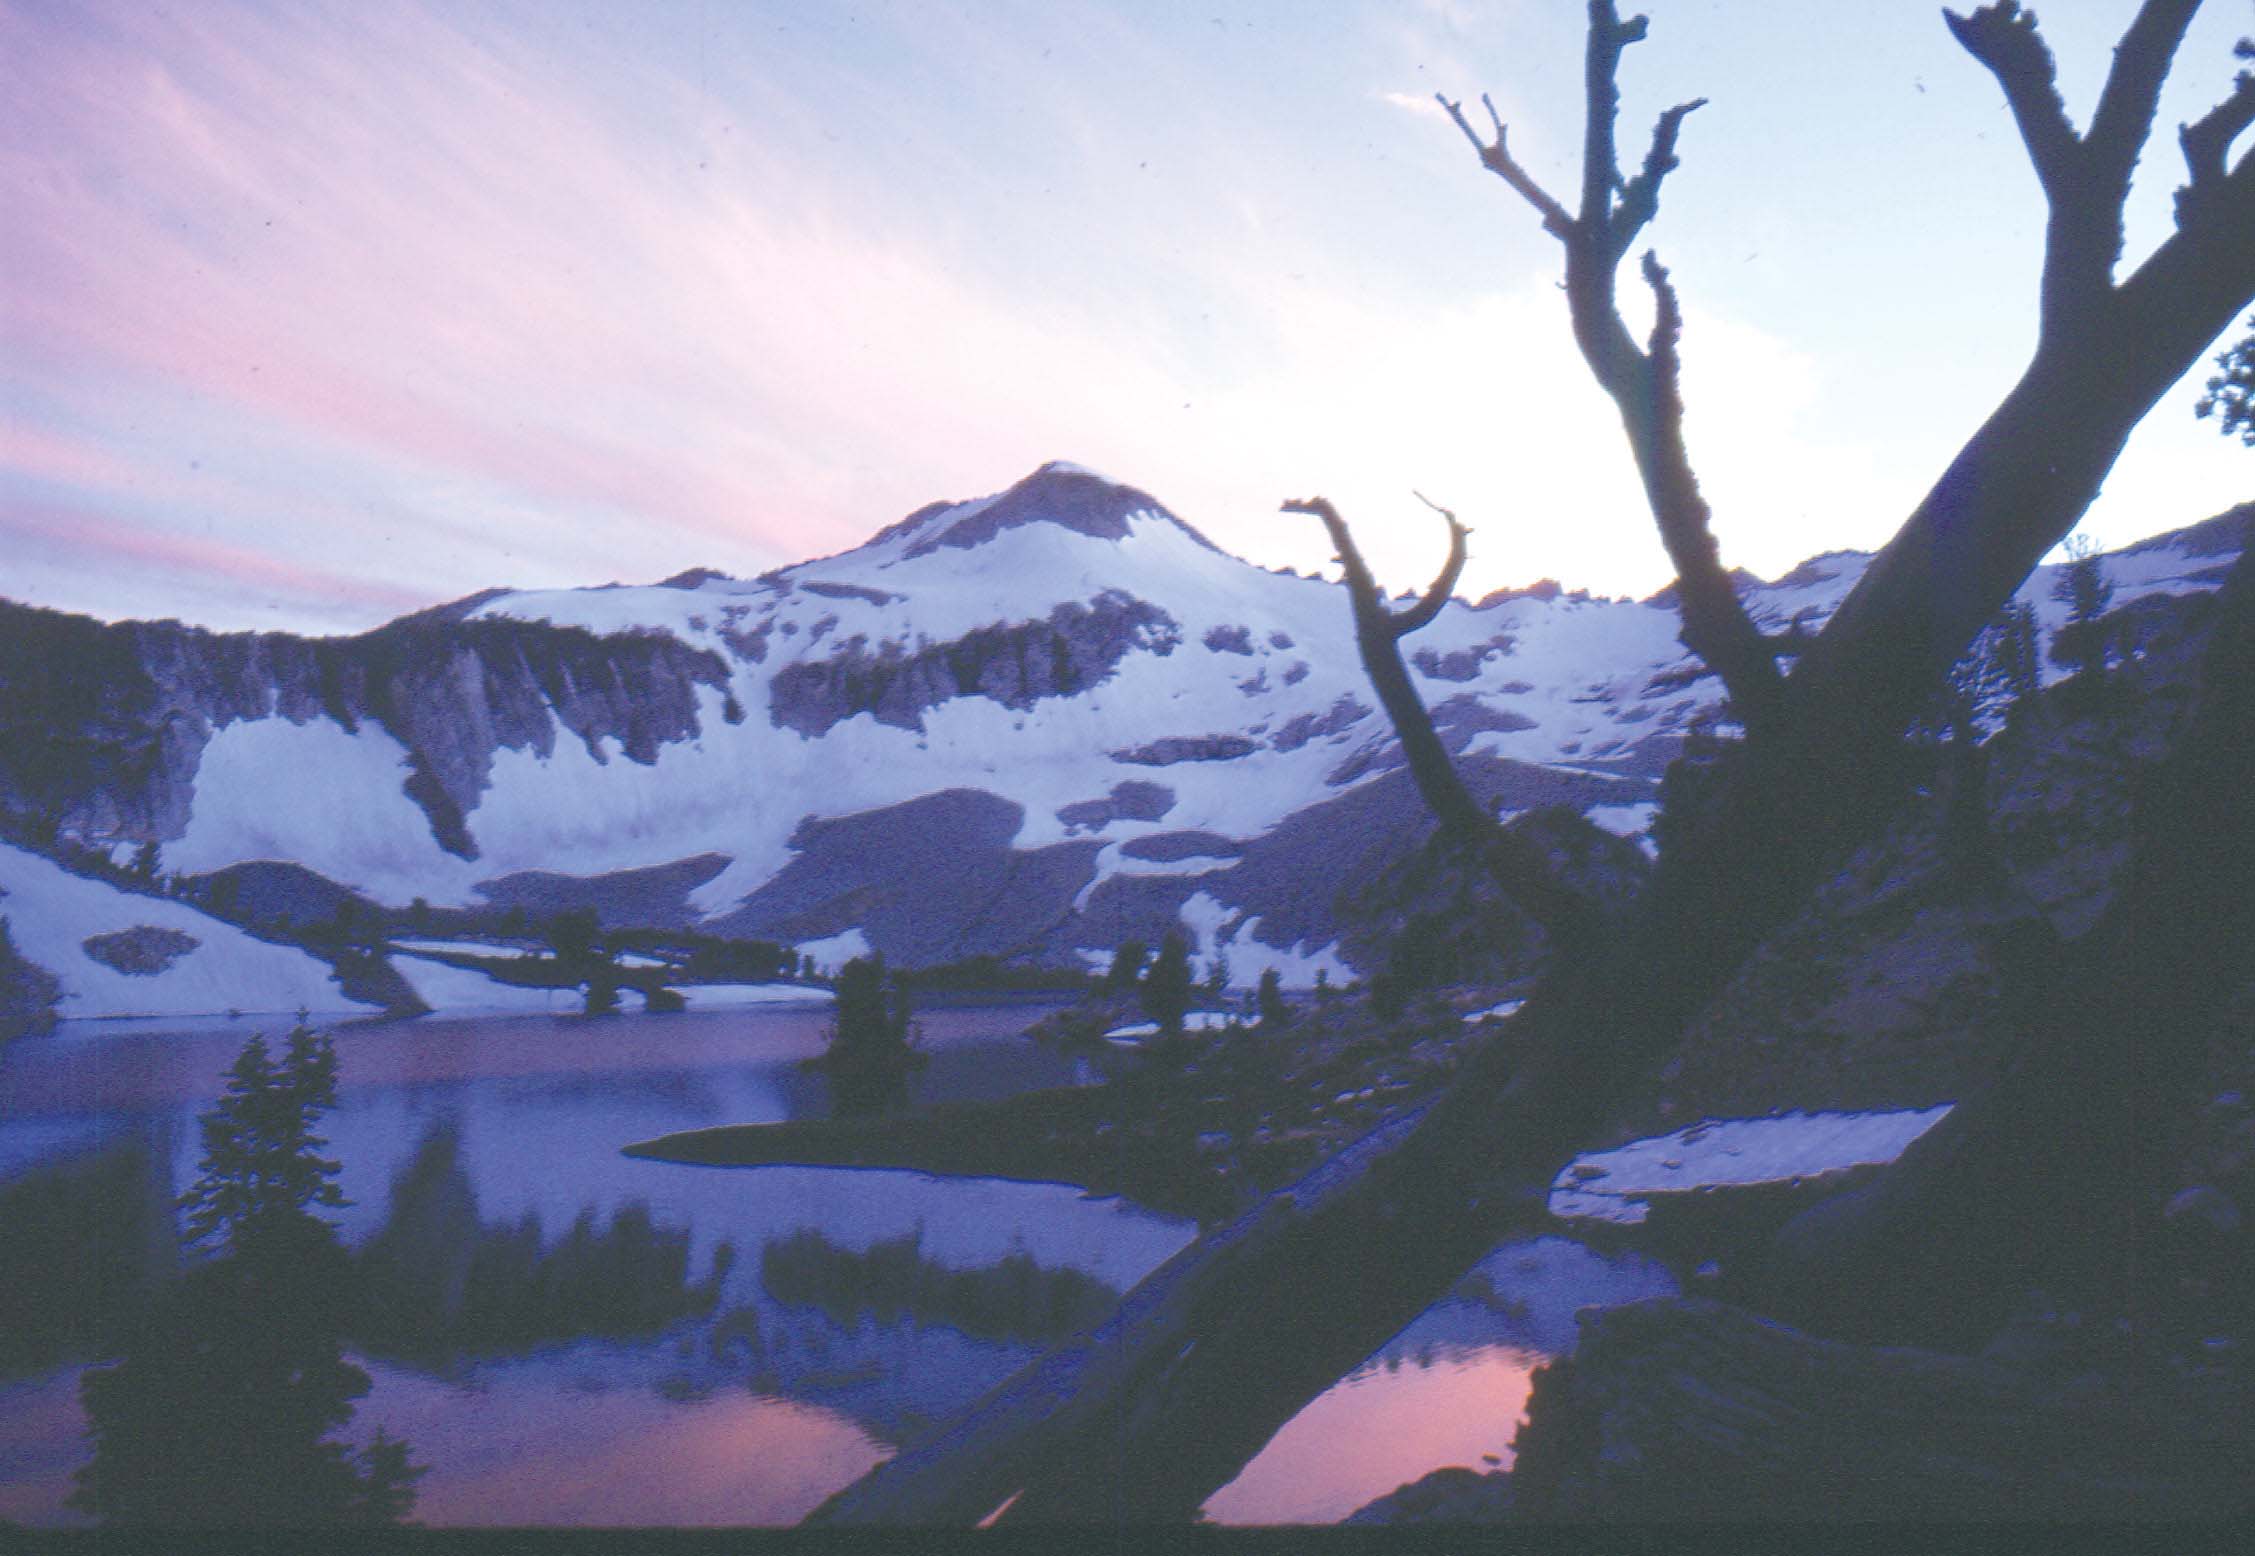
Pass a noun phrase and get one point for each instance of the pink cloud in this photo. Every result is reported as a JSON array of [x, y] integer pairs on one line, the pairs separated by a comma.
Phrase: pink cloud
[[105, 546]]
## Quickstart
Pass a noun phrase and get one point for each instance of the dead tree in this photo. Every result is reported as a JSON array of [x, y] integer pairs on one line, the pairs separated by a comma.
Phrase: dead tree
[[1812, 785], [2055, 1175], [1516, 865], [1644, 383]]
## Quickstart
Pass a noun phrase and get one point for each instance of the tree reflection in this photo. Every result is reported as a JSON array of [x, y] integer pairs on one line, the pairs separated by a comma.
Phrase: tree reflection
[[88, 1242], [872, 1048], [220, 1411], [436, 1282], [1014, 1298]]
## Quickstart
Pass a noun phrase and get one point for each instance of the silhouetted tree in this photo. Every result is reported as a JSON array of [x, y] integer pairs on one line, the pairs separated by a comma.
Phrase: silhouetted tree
[[871, 1051], [1116, 1424], [1127, 966], [1274, 1012], [2013, 671], [219, 1412], [2084, 589], [571, 935], [28, 992], [1166, 986]]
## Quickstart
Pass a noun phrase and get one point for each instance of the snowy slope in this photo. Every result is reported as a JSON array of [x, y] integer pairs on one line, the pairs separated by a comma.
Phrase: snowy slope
[[1033, 724], [207, 967], [1610, 1185]]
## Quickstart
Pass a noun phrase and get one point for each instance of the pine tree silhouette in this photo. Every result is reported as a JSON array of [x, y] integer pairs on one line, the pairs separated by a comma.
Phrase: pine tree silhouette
[[219, 1413]]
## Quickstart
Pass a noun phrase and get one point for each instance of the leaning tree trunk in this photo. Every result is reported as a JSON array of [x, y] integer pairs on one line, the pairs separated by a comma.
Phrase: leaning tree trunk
[[1815, 781], [2055, 1175]]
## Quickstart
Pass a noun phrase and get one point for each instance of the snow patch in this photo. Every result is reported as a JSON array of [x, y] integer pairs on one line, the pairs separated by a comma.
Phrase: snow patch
[[731, 996], [1192, 1021], [51, 913], [835, 951], [466, 991], [1629, 821], [1603, 1185]]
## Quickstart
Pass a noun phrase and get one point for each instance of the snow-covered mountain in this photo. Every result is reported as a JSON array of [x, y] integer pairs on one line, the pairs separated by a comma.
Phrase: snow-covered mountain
[[1028, 726]]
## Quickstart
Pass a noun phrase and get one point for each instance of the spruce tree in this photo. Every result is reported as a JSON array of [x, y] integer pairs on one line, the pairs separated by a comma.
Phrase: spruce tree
[[1166, 987], [220, 1411], [1274, 1012], [2086, 592], [1127, 966], [2230, 396]]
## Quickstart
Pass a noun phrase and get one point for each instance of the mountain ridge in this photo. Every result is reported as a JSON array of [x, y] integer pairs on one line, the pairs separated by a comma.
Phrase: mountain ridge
[[1136, 728]]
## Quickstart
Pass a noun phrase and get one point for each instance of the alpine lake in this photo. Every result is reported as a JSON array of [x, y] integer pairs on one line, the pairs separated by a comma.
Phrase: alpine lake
[[565, 1335]]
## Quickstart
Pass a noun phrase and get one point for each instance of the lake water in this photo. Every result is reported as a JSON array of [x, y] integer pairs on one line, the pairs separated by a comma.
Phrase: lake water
[[585, 1338]]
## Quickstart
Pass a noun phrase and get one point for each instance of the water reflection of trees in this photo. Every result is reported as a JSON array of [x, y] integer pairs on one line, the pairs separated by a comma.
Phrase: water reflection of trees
[[437, 1282], [220, 1410], [1014, 1298], [88, 1243]]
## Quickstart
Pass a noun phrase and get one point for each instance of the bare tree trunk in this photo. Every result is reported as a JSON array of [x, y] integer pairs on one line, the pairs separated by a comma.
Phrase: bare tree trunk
[[2055, 1176], [1515, 863], [1816, 779], [1643, 383]]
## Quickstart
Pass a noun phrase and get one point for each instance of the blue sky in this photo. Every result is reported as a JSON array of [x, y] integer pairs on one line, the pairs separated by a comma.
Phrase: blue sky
[[315, 314]]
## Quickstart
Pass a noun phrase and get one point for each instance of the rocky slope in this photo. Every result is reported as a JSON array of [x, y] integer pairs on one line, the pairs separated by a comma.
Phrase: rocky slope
[[1028, 726]]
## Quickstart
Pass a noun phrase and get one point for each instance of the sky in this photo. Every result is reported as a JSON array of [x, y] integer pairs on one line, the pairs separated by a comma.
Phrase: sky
[[313, 314]]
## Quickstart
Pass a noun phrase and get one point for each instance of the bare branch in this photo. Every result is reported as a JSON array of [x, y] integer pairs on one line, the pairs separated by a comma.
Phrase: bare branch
[[1406, 622], [1643, 388], [1378, 635], [2207, 142], [1601, 166], [1715, 624], [2124, 117], [2004, 38], [1640, 196], [1667, 334], [1497, 159]]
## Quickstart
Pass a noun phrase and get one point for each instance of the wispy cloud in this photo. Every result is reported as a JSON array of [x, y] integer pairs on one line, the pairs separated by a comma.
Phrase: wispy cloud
[[1421, 104], [431, 298]]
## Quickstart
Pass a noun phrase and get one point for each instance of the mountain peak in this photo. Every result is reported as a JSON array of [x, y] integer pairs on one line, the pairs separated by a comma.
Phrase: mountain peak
[[1067, 495]]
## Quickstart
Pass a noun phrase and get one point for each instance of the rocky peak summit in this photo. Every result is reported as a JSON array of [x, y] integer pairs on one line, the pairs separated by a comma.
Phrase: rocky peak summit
[[1066, 495]]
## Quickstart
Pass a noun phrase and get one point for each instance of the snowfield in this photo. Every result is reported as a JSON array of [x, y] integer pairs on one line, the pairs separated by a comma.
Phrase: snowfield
[[52, 913], [1234, 691], [1605, 1185]]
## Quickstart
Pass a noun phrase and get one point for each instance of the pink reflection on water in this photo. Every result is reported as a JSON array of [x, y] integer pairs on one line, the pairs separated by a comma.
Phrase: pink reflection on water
[[521, 1447], [42, 1442], [1381, 1428], [518, 1446]]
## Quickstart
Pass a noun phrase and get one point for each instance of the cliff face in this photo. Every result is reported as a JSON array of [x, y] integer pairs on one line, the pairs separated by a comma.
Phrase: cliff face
[[1030, 725], [102, 727]]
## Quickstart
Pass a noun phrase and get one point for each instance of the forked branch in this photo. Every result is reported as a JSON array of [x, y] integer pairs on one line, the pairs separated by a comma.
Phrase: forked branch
[[1496, 157], [2085, 177], [1515, 864], [2004, 38], [1644, 383], [2208, 141]]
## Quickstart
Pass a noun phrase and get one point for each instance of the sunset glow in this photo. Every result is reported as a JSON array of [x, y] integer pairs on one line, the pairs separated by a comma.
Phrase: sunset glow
[[318, 313], [1379, 1429]]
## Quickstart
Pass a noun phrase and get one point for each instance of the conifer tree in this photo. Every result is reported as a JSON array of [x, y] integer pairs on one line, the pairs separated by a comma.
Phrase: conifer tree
[[1274, 1012], [1166, 987], [2231, 393], [2086, 592], [220, 1412], [2013, 671], [1127, 966]]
